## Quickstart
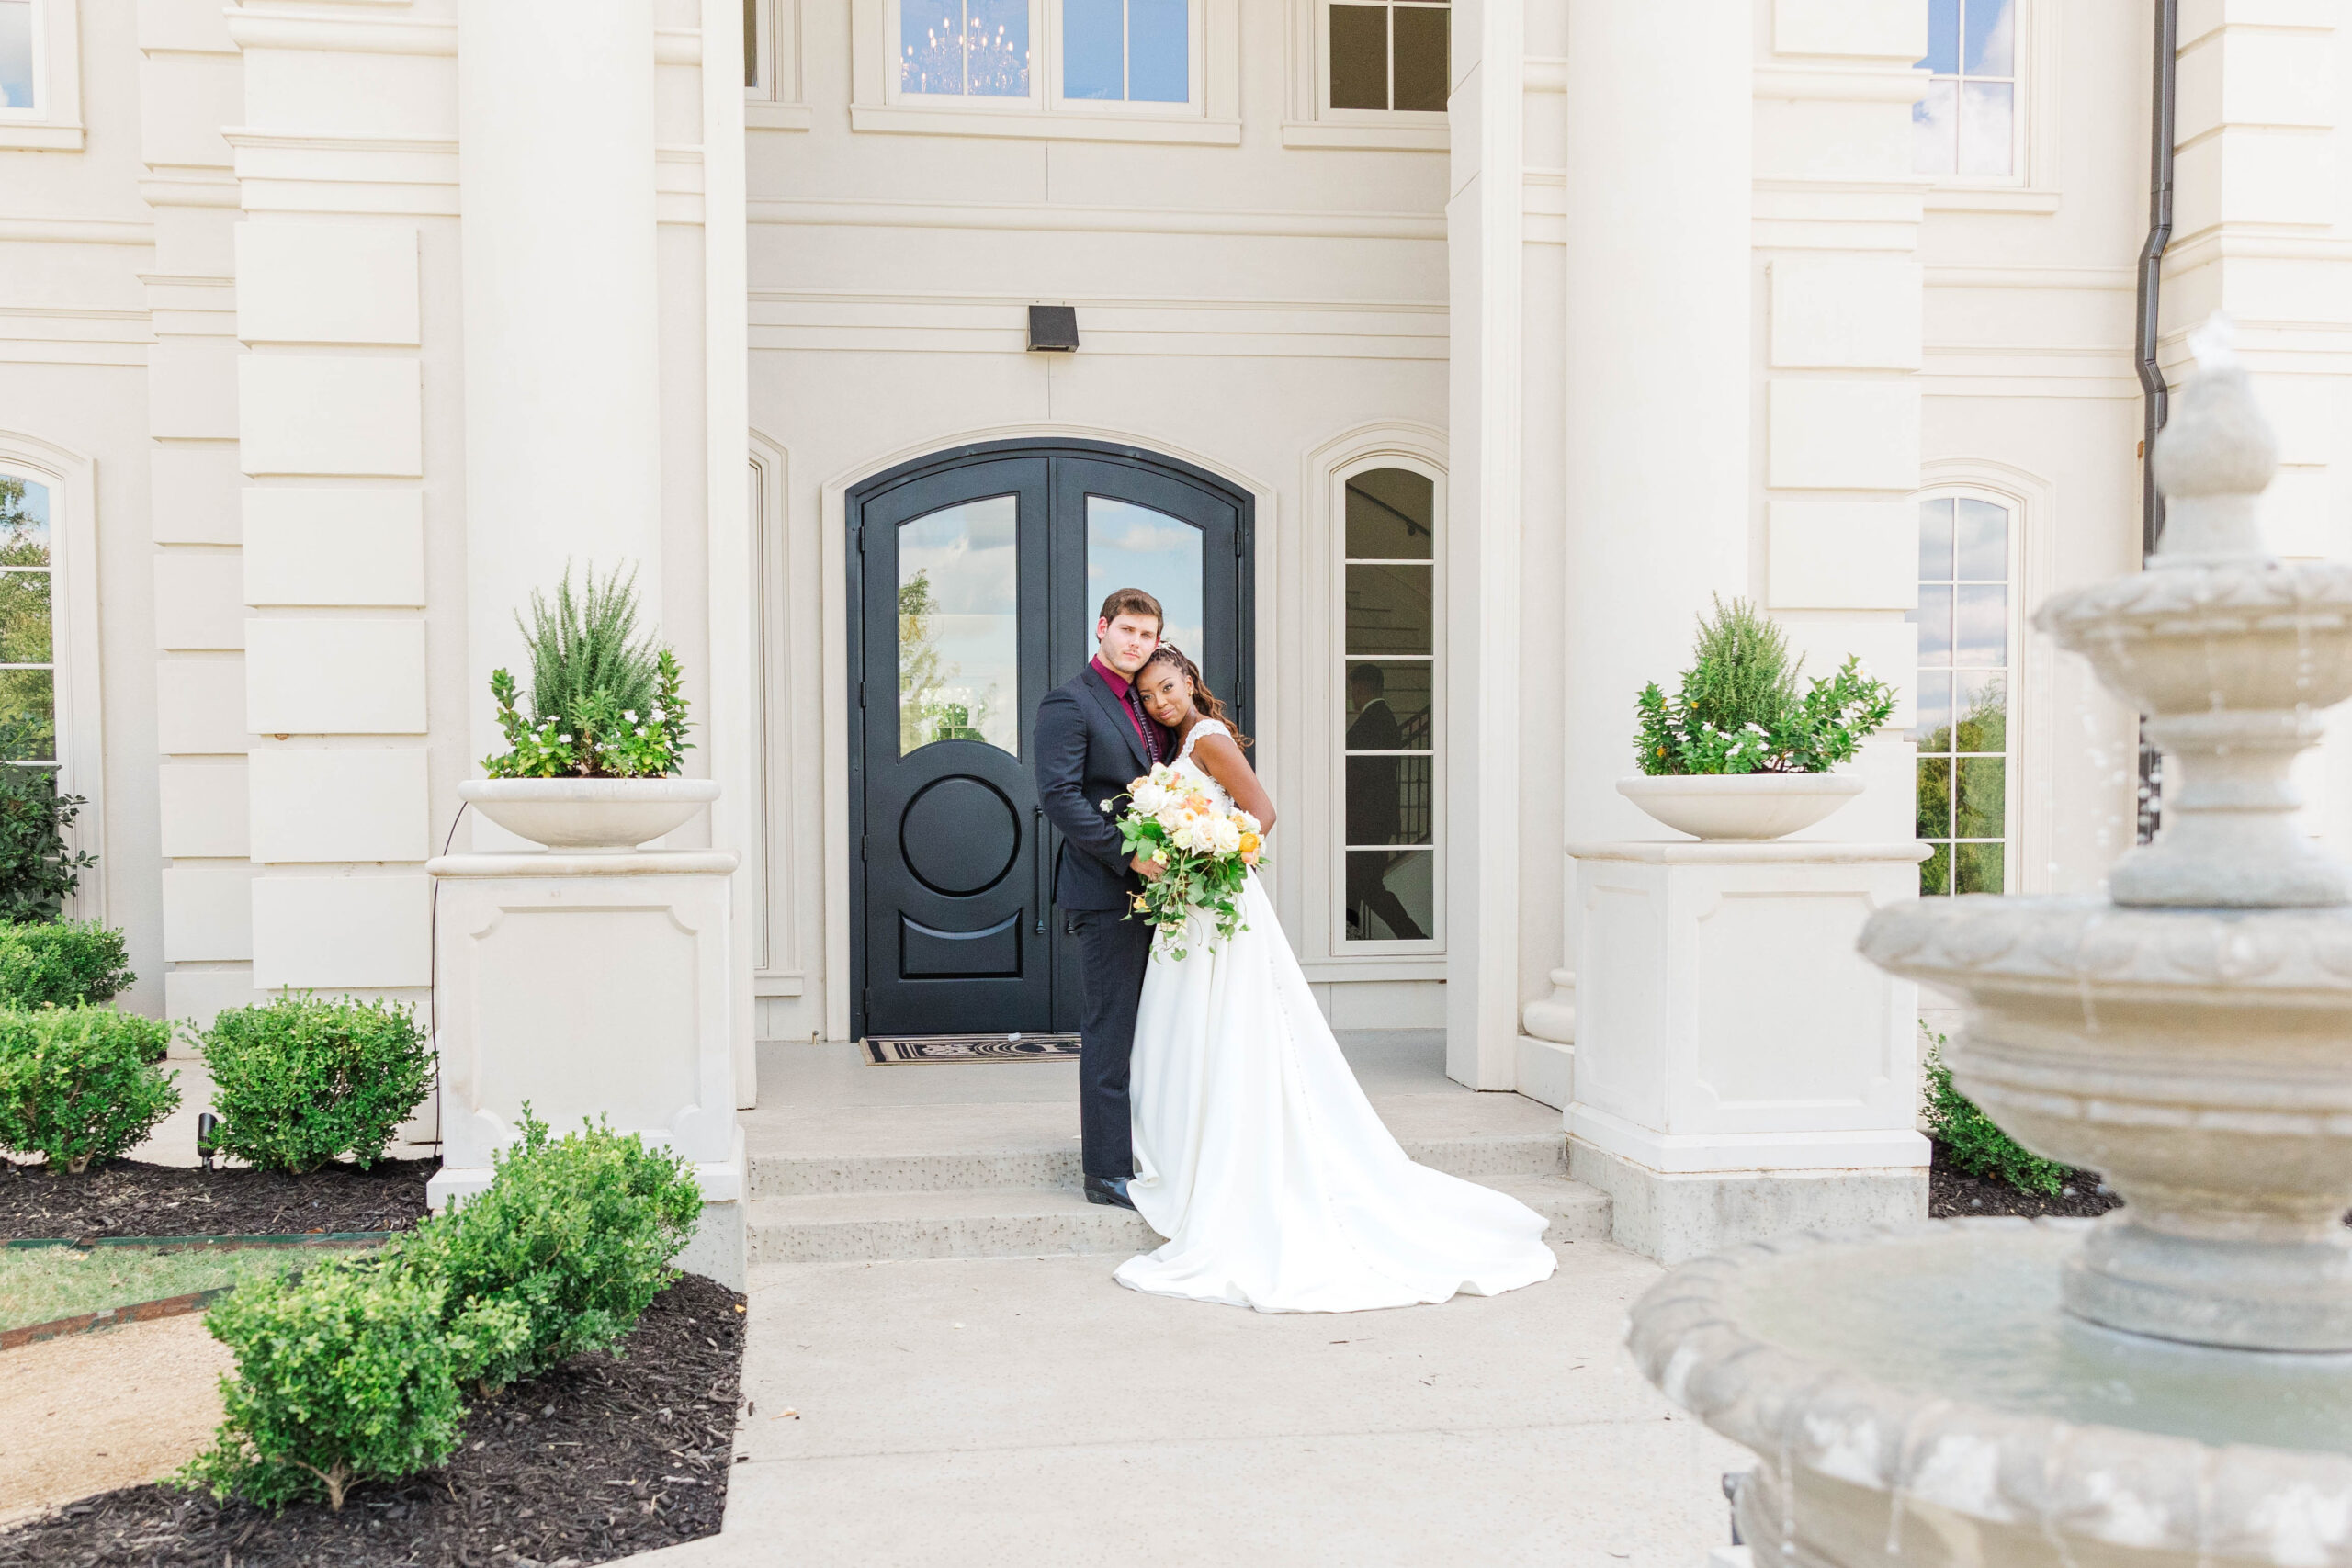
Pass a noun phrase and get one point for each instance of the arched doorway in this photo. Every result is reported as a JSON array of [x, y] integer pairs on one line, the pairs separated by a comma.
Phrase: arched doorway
[[974, 579]]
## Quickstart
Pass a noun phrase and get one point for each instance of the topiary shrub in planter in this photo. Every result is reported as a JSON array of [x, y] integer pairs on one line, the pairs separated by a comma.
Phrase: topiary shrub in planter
[[82, 1084], [1738, 709], [577, 1232], [300, 1081], [58, 965], [1975, 1141], [344, 1374]]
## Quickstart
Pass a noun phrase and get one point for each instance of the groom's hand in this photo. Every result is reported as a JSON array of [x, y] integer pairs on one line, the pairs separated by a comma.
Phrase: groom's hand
[[1147, 866]]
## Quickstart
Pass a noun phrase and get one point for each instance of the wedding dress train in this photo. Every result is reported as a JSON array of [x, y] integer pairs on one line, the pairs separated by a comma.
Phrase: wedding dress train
[[1259, 1160]]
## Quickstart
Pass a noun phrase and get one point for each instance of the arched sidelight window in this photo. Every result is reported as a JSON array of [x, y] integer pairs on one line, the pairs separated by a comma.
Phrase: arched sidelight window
[[1966, 655], [1389, 655]]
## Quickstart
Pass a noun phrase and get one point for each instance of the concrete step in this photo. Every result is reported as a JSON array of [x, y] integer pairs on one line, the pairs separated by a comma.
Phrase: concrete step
[[1033, 1222], [780, 1174]]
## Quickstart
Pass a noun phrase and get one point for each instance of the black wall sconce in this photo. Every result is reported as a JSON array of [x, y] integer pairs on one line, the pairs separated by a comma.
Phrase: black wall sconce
[[1053, 329]]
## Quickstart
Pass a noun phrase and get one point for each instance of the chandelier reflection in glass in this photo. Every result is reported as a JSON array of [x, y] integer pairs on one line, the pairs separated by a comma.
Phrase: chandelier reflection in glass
[[965, 48]]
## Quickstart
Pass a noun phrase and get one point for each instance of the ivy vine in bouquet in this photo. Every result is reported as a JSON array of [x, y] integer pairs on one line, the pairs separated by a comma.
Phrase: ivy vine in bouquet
[[1206, 854]]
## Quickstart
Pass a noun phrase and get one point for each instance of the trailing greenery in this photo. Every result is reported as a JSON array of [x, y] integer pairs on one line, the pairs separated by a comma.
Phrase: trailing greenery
[[300, 1081], [353, 1372], [60, 965], [577, 1232], [603, 703], [1976, 1141], [1738, 709], [82, 1084], [343, 1375], [39, 870]]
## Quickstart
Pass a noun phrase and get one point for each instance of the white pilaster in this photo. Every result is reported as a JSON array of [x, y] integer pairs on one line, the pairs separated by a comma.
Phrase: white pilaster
[[562, 426], [1657, 154], [1484, 226]]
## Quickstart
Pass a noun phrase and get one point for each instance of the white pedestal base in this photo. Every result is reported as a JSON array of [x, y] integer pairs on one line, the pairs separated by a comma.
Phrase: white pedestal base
[[592, 985], [1676, 1216], [1740, 1070]]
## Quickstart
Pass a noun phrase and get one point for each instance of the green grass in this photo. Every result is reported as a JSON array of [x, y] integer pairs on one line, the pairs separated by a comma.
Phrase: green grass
[[39, 1284]]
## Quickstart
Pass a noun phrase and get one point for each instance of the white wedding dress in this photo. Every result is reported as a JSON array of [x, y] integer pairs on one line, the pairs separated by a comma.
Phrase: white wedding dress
[[1260, 1160]]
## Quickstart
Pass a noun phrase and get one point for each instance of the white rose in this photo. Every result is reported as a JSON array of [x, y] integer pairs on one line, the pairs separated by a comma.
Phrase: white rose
[[1225, 836], [1249, 823], [1150, 797], [1169, 817], [1195, 835]]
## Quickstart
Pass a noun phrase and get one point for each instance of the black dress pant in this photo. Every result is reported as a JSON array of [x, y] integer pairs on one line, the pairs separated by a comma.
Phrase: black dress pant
[[1113, 951]]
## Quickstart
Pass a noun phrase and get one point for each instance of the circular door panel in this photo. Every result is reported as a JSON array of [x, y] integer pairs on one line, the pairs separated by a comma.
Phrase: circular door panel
[[959, 836]]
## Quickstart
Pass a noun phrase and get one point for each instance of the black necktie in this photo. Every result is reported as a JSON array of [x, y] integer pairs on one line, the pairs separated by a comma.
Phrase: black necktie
[[1143, 723]]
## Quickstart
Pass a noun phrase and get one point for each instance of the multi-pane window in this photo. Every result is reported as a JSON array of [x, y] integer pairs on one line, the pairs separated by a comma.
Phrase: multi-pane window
[[975, 49], [20, 76], [1127, 50], [1389, 56], [1389, 664], [28, 657], [1967, 123], [1962, 731]]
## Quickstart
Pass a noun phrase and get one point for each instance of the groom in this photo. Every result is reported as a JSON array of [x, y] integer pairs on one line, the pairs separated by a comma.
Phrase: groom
[[1094, 738]]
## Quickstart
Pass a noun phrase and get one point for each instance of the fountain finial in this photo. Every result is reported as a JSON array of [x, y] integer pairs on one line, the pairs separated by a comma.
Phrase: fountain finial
[[2215, 456]]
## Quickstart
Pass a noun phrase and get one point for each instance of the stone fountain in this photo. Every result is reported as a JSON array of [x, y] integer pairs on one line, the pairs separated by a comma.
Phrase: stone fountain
[[2173, 1383]]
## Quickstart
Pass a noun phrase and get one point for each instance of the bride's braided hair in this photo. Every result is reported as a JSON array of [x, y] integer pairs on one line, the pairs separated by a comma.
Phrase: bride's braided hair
[[1204, 701]]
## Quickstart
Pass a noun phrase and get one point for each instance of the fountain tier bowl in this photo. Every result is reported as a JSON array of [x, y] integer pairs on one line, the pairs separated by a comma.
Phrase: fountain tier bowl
[[1917, 1396], [2201, 1061]]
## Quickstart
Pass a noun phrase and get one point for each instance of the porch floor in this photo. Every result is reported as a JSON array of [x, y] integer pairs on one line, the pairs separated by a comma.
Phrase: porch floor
[[937, 1373]]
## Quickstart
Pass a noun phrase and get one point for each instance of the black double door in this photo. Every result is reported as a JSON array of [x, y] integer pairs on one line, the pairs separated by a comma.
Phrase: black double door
[[975, 579]]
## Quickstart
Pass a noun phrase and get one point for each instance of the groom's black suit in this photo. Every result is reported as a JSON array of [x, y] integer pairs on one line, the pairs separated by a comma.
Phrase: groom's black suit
[[1088, 752]]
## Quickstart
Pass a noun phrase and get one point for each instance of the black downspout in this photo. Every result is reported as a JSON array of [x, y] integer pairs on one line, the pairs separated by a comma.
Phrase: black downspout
[[2158, 397]]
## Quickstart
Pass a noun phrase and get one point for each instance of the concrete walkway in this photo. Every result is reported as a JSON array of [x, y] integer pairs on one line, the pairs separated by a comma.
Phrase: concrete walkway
[[999, 1409]]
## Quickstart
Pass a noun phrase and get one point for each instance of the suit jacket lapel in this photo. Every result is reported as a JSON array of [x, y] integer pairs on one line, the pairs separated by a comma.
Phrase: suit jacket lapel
[[1120, 718]]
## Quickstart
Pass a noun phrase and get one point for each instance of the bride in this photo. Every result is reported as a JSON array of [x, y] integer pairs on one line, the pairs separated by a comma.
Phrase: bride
[[1257, 1154]]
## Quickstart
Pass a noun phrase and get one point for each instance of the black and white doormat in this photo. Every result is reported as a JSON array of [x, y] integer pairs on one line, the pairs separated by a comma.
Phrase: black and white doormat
[[904, 1050]]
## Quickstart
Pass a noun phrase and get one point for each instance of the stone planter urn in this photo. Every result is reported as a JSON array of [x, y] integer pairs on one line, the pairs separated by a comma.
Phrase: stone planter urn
[[589, 815], [1740, 806]]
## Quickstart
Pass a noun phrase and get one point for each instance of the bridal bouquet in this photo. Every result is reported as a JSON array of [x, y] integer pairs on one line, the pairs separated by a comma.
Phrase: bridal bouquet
[[1208, 852]]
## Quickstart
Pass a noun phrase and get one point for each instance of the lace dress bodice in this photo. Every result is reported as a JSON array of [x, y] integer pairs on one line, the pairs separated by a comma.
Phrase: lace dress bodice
[[1185, 760]]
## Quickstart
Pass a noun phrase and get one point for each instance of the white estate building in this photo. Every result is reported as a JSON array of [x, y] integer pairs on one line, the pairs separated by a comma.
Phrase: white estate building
[[1435, 359]]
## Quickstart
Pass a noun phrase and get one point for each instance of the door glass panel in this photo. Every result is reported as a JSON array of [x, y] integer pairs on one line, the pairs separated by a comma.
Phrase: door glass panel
[[959, 656], [1133, 547], [1420, 51]]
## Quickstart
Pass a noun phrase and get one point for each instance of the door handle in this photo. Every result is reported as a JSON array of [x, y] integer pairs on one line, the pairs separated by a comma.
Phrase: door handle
[[1037, 866]]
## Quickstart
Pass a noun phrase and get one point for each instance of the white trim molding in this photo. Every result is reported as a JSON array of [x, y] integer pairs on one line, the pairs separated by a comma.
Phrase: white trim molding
[[72, 481], [776, 100]]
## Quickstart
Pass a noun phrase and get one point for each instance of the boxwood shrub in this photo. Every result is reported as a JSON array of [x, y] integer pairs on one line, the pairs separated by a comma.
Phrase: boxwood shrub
[[300, 1081], [353, 1371], [81, 1084], [344, 1374], [57, 965], [1976, 1141], [577, 1232]]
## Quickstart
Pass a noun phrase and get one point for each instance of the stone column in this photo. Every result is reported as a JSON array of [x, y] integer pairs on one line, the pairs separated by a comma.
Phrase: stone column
[[556, 132], [1657, 154]]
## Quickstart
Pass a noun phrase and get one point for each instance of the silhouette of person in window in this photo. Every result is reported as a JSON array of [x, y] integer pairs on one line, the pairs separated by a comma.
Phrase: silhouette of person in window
[[1374, 806]]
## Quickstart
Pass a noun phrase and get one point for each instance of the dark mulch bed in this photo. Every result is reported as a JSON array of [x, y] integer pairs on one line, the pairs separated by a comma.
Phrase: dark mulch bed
[[601, 1457], [1955, 1194], [127, 1198]]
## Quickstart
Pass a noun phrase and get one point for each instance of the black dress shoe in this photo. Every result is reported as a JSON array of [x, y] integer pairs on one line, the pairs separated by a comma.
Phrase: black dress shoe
[[1110, 1191]]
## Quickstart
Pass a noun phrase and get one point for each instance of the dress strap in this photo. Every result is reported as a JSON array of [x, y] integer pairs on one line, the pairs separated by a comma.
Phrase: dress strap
[[1200, 728]]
